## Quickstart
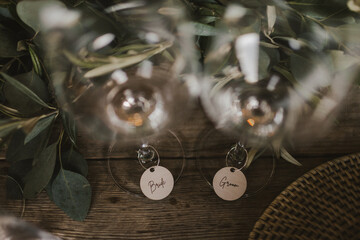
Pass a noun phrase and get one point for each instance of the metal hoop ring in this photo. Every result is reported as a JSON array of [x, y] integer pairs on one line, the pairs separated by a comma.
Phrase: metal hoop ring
[[246, 159], [151, 147], [124, 189]]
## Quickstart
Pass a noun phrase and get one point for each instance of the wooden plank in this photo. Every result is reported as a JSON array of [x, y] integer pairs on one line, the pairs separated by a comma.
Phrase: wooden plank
[[192, 211]]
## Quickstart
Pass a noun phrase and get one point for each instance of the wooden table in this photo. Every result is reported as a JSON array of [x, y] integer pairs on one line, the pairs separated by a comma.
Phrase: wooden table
[[192, 211]]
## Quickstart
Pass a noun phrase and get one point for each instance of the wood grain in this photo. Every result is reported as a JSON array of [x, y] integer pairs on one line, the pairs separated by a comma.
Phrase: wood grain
[[192, 211], [343, 138]]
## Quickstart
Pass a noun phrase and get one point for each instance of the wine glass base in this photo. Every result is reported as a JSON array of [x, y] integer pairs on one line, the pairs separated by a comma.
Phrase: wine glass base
[[212, 148], [127, 170]]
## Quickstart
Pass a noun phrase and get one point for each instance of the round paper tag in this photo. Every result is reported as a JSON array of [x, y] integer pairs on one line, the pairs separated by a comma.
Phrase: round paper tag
[[229, 183], [156, 183]]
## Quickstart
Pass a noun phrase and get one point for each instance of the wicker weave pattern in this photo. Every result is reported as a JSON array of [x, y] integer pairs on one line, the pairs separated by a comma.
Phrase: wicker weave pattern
[[322, 204]]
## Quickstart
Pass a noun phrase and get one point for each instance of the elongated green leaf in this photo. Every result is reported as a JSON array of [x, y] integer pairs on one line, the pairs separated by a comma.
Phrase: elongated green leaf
[[347, 36], [308, 68], [285, 73], [40, 126], [126, 61], [318, 8], [208, 19], [22, 103], [9, 111], [72, 193], [35, 60], [264, 63], [18, 151], [342, 61], [251, 156], [268, 45], [40, 175], [29, 11], [201, 29], [134, 47], [9, 125], [80, 62], [74, 162], [271, 17], [24, 90], [70, 126], [287, 156]]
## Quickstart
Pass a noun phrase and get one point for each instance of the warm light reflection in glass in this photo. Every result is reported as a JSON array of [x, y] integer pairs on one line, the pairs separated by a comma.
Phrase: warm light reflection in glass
[[251, 122]]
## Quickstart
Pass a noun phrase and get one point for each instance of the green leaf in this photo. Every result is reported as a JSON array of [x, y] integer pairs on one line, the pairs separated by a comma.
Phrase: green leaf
[[264, 62], [75, 162], [13, 189], [283, 26], [347, 36], [29, 11], [40, 175], [40, 126], [8, 44], [9, 111], [201, 29], [22, 103], [268, 45], [208, 19], [17, 172], [126, 61], [342, 61], [35, 60], [69, 125], [285, 73], [287, 156], [72, 193], [18, 151], [310, 68], [9, 125], [273, 54], [319, 9], [24, 90], [271, 17], [251, 156]]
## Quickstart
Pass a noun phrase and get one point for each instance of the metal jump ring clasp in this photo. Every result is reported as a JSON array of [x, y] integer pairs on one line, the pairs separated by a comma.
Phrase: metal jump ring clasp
[[146, 154], [236, 149]]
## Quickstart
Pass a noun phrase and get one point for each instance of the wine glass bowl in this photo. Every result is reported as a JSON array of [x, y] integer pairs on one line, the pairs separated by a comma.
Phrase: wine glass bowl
[[122, 73], [254, 113]]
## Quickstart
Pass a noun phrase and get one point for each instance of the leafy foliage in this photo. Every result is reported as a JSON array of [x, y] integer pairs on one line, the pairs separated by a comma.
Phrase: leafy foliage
[[40, 174], [72, 193], [28, 113]]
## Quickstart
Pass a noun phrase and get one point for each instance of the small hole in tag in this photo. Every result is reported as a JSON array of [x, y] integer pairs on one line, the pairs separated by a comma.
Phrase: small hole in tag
[[232, 169], [152, 169]]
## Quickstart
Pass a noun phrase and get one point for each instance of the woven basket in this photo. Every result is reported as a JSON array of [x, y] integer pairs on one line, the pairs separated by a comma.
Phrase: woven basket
[[322, 204]]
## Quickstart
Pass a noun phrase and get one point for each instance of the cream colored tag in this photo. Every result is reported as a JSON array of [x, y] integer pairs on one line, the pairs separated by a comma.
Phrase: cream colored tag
[[156, 183], [229, 183]]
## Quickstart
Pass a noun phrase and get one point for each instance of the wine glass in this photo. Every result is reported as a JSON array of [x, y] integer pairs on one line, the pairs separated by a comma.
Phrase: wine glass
[[14, 228], [124, 74], [269, 78]]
